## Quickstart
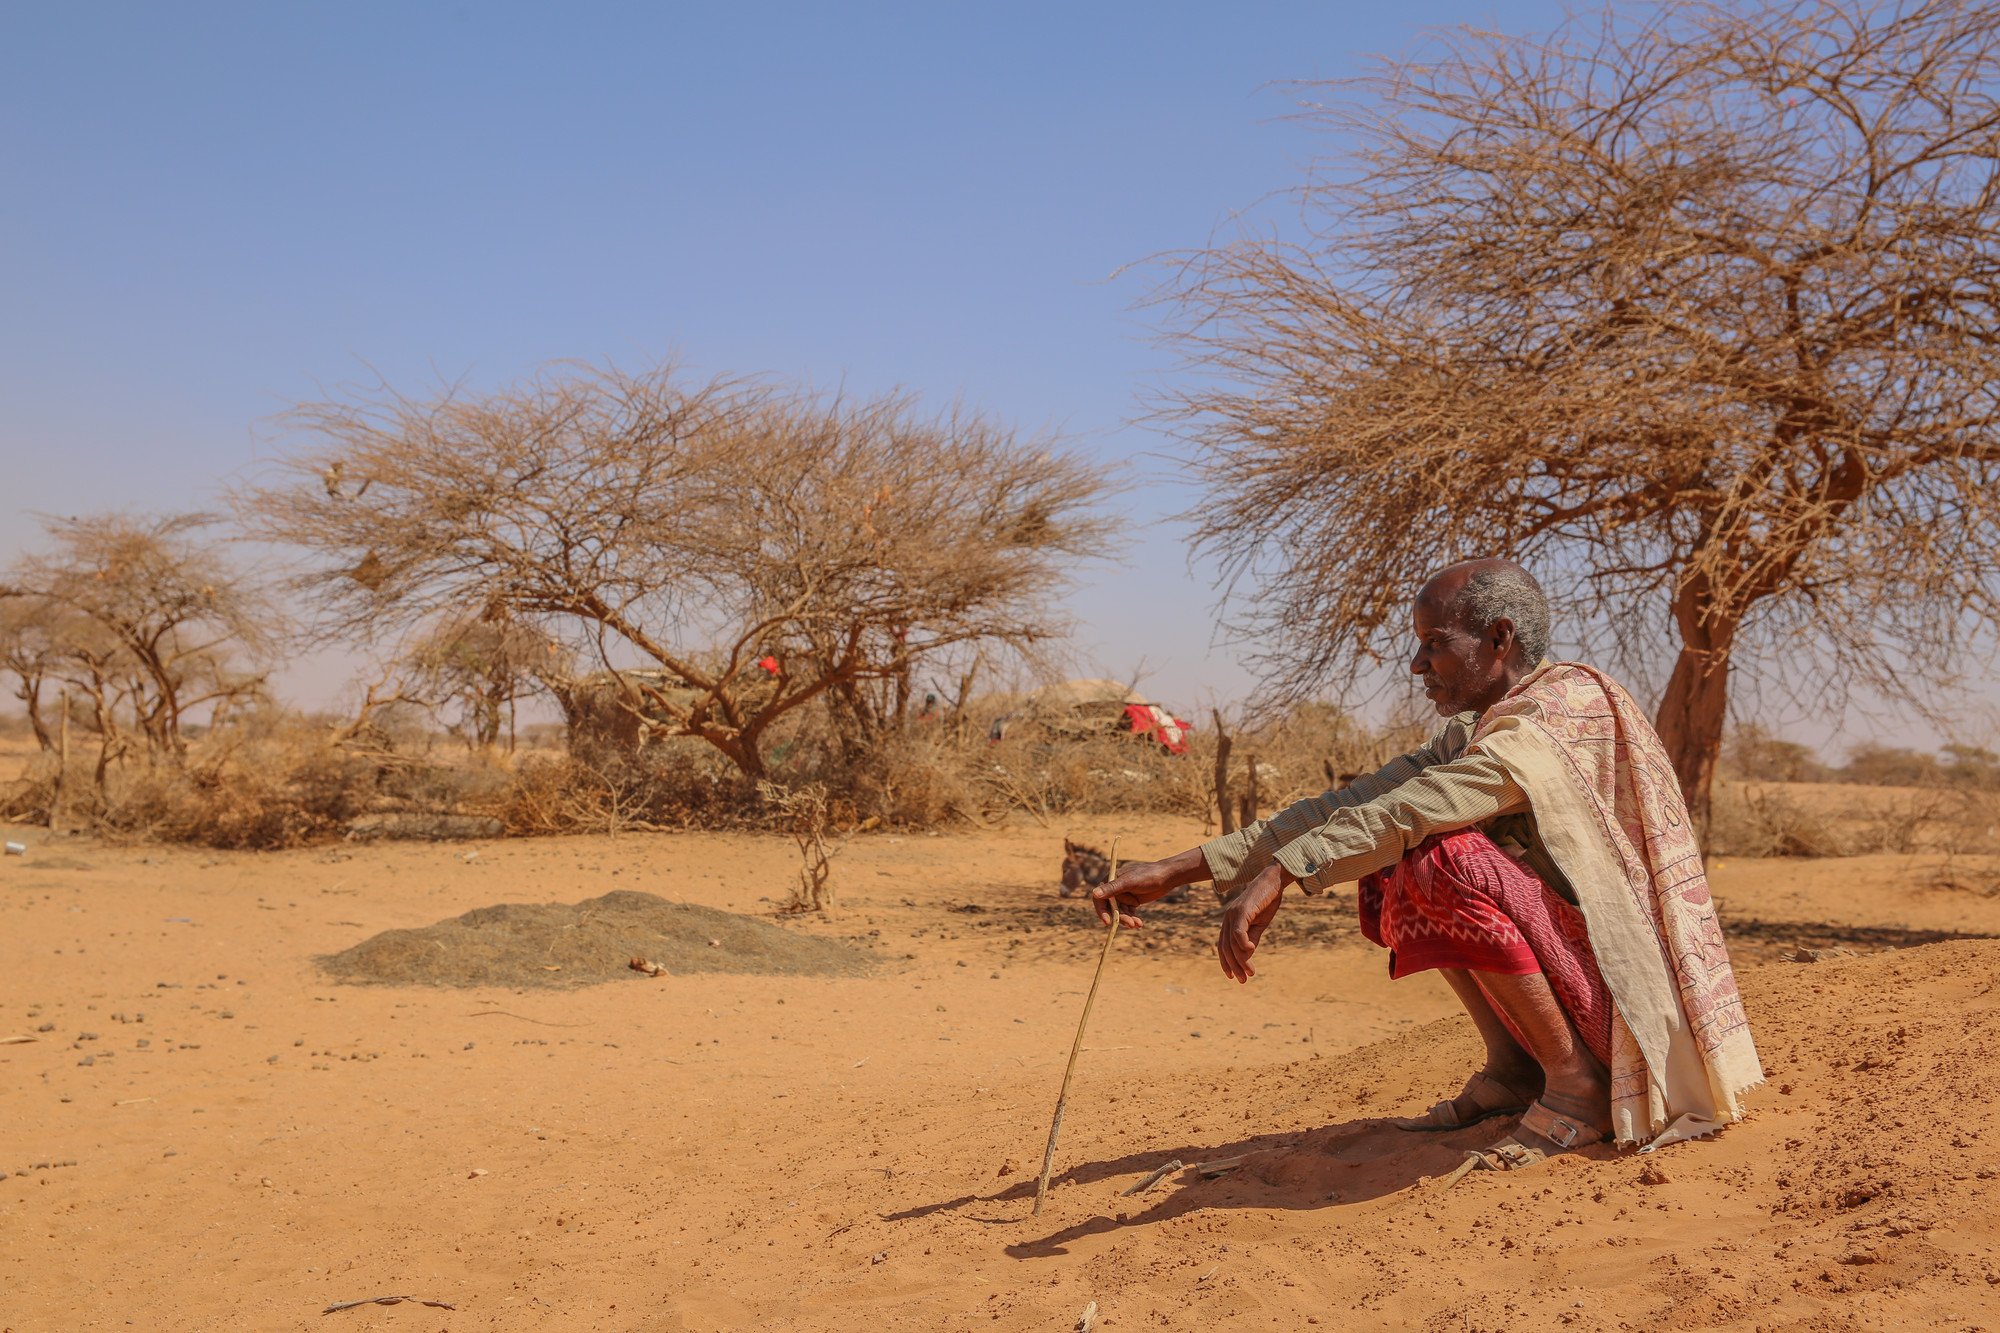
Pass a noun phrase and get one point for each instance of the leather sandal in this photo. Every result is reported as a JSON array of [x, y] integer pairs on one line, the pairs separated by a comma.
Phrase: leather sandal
[[1563, 1133], [1445, 1115]]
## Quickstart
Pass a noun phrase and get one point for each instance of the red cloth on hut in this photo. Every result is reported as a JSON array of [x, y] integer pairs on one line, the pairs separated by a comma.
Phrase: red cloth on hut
[[1167, 729]]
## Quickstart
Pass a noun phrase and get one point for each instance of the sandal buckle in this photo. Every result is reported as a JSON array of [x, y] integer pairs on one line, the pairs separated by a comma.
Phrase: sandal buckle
[[1561, 1133]]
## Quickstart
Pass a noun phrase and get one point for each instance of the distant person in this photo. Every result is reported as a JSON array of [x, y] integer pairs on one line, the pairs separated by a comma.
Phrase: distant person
[[1537, 852]]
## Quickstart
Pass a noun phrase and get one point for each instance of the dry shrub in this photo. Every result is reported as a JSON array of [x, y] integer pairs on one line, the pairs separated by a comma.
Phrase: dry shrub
[[1050, 769], [279, 792], [1753, 819], [1769, 819], [917, 780], [675, 783], [28, 798], [274, 781], [1964, 767], [1973, 874], [282, 780]]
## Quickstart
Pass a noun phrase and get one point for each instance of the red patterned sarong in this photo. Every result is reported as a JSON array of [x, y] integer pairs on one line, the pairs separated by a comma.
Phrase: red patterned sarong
[[1458, 901]]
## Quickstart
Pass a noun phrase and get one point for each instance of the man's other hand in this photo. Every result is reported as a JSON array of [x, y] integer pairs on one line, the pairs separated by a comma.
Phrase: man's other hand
[[1144, 882], [1245, 920]]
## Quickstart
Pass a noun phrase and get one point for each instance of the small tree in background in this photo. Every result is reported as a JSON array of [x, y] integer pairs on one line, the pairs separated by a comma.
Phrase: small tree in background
[[144, 621], [1695, 317], [757, 549], [481, 667]]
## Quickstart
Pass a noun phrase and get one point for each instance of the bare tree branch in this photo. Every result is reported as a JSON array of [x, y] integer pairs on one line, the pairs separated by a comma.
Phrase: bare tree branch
[[1698, 316], [763, 549]]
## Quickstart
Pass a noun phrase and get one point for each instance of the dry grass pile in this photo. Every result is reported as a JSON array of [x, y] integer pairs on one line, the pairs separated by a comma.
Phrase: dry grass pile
[[586, 943]]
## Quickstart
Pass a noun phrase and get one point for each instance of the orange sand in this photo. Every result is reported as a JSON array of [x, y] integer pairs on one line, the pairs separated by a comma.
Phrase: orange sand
[[723, 1152]]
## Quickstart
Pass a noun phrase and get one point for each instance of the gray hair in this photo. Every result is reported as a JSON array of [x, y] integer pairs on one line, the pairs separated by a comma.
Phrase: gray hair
[[1507, 592]]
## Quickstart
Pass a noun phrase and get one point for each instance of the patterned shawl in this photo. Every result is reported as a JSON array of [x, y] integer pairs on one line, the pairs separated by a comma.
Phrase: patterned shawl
[[1610, 812]]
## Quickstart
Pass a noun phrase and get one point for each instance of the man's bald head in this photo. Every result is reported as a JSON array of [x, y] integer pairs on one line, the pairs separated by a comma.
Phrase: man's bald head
[[1481, 627], [1476, 594]]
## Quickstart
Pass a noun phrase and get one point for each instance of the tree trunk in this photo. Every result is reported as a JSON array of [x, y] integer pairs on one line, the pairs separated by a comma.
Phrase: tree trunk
[[744, 752], [62, 769], [1693, 710], [30, 694]]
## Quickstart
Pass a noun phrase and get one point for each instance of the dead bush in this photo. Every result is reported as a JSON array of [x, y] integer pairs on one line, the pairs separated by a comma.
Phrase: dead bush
[[1753, 819], [917, 780], [675, 783]]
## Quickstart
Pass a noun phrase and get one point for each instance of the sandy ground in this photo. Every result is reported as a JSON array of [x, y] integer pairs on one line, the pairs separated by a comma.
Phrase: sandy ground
[[207, 1133]]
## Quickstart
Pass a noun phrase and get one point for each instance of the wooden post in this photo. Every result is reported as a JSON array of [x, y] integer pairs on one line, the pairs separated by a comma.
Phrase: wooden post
[[62, 764], [1222, 772]]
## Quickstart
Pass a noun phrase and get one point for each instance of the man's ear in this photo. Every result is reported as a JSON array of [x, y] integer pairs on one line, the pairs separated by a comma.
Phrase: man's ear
[[1501, 635]]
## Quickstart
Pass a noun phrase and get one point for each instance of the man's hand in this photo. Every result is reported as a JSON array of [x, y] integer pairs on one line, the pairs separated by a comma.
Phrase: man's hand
[[1246, 918], [1147, 881]]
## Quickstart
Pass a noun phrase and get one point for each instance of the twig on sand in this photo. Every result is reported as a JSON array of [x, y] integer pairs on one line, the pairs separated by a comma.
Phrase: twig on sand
[[1458, 1174], [1210, 1170], [1152, 1179], [385, 1300], [16, 1041], [488, 1013], [1076, 1047]]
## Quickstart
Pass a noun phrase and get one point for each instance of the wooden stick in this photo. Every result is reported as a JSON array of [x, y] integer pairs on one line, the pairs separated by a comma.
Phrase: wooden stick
[[1076, 1047], [1470, 1163], [1155, 1178]]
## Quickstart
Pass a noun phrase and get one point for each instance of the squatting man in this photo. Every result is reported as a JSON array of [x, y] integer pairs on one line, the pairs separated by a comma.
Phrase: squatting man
[[1537, 852]]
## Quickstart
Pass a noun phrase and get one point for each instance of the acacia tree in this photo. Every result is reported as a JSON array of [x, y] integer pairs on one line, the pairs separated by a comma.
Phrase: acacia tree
[[144, 619], [482, 665], [753, 548], [1696, 316]]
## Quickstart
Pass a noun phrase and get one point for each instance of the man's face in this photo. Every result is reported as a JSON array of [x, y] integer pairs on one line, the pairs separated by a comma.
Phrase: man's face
[[1462, 668]]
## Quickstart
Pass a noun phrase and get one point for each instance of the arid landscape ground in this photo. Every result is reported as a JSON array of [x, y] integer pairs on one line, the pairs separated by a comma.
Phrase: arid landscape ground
[[210, 1132]]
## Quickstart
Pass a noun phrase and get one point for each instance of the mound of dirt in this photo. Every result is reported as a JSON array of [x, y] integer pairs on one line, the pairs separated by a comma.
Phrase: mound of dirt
[[582, 944]]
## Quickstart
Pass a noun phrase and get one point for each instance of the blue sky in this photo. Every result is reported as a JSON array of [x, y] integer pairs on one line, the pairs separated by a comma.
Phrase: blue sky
[[208, 212]]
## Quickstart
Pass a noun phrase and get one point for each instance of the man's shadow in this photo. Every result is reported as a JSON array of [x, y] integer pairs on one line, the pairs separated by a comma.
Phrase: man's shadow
[[1335, 1166]]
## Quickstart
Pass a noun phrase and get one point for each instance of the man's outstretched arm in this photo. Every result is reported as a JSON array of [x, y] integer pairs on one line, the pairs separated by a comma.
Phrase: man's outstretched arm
[[1147, 881], [1234, 859]]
